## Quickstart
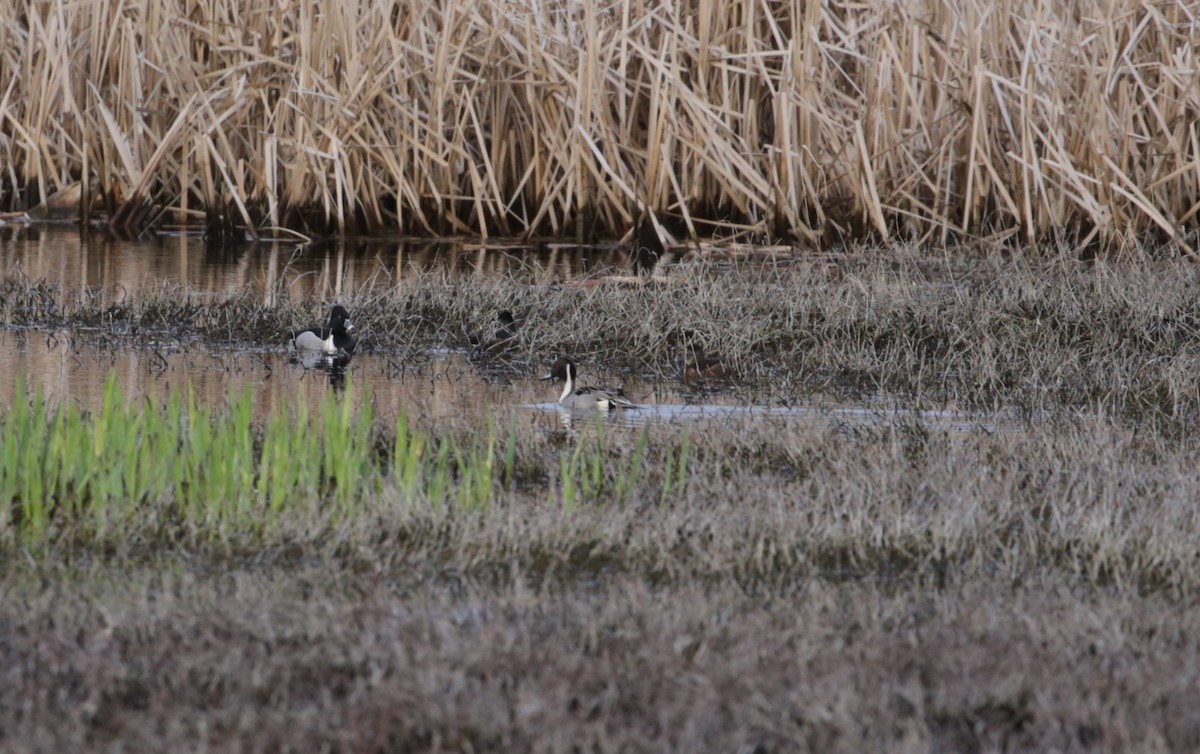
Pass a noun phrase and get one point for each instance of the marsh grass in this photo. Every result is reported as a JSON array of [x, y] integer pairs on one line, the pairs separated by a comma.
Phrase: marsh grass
[[133, 471], [794, 587], [931, 120], [159, 660], [1084, 497], [1026, 584], [136, 472]]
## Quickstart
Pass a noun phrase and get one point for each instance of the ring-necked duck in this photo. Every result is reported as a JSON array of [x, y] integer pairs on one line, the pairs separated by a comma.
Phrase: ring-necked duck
[[332, 339], [604, 398]]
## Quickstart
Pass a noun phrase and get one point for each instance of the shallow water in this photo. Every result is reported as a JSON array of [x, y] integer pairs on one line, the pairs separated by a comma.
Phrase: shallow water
[[433, 389], [73, 364], [97, 264]]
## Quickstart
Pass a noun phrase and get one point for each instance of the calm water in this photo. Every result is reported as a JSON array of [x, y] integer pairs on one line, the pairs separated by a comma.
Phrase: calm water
[[434, 389], [95, 263], [72, 365]]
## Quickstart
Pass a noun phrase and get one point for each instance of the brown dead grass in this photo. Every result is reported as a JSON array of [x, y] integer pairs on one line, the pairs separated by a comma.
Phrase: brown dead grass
[[933, 120], [808, 590], [254, 661]]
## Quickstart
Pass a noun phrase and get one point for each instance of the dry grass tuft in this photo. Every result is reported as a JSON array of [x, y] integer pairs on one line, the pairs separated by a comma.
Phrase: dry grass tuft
[[932, 120]]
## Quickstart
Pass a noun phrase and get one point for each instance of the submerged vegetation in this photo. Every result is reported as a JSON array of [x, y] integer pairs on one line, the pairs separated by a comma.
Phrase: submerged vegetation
[[937, 120]]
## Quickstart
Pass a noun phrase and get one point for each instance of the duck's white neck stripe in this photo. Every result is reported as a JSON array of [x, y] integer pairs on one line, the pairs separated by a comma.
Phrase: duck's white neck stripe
[[568, 387]]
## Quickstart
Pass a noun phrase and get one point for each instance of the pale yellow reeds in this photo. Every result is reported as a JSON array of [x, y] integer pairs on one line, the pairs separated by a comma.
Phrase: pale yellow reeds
[[928, 119]]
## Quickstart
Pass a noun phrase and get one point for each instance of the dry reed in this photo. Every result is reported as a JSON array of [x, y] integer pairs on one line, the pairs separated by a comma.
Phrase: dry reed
[[930, 120]]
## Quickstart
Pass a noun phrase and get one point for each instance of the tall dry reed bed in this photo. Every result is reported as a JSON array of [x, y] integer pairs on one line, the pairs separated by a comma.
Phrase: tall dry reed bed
[[932, 119]]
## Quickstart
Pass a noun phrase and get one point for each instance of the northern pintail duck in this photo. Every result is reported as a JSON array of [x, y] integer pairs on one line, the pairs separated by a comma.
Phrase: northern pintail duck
[[332, 339], [603, 398]]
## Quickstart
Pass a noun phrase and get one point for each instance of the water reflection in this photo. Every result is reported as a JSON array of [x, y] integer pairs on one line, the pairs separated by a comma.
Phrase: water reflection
[[73, 366], [838, 418], [333, 366], [433, 389], [439, 387], [83, 262]]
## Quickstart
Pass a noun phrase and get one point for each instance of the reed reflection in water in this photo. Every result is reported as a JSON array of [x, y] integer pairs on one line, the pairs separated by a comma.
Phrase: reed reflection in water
[[96, 264], [437, 388], [73, 366]]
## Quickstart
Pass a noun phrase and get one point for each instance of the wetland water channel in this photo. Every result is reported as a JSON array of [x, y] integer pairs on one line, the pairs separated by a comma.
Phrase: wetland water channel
[[73, 363]]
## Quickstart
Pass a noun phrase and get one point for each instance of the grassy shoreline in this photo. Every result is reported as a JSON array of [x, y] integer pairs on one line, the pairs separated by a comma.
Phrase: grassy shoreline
[[1081, 498], [806, 590], [159, 659], [938, 121]]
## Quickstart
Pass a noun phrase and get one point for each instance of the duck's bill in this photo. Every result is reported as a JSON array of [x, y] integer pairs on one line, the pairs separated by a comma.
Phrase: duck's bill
[[349, 326], [545, 377]]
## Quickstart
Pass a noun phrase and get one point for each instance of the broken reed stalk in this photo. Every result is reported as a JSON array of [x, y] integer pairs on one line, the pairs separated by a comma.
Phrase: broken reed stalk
[[933, 120]]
